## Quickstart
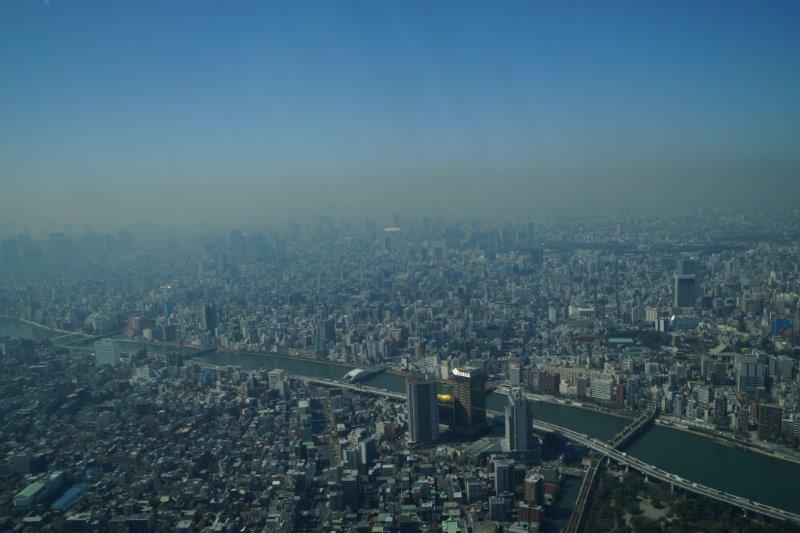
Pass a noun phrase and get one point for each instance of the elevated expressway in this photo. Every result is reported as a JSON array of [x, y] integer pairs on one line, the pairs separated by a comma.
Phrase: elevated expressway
[[609, 450], [652, 472]]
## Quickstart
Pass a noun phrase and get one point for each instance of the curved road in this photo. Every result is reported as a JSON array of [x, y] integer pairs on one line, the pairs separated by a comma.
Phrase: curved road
[[612, 453], [654, 472]]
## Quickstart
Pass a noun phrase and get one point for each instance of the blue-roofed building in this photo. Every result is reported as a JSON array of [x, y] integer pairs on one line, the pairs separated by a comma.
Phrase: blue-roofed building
[[780, 325], [69, 496]]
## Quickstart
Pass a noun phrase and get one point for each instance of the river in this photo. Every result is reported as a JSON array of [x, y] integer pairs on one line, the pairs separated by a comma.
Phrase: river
[[752, 475], [596, 424], [23, 330]]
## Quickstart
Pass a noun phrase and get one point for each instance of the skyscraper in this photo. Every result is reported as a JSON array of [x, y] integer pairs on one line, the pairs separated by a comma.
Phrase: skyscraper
[[423, 410], [686, 266], [368, 448], [751, 373], [476, 490], [721, 411], [769, 421], [498, 509], [210, 318], [351, 489], [517, 421], [326, 329], [469, 400], [503, 476], [685, 290]]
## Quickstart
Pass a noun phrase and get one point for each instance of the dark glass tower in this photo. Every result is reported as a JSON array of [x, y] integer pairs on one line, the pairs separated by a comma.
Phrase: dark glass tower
[[469, 400]]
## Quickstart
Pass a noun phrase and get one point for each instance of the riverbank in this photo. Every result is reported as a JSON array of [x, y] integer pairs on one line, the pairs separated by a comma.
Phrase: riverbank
[[8, 318], [692, 456], [555, 400], [725, 441], [286, 356], [581, 405], [43, 327], [567, 402]]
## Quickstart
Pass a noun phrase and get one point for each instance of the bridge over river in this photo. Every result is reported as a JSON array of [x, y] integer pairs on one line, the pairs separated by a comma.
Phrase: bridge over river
[[670, 453], [609, 450], [652, 472]]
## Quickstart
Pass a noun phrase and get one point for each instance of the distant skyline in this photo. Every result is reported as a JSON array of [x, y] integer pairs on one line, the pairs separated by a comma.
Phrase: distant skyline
[[205, 112]]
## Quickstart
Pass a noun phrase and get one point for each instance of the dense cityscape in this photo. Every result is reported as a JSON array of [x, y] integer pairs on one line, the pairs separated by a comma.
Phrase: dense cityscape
[[399, 267], [392, 375]]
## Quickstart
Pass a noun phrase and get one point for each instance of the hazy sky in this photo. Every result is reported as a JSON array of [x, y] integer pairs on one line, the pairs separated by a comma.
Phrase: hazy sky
[[224, 111]]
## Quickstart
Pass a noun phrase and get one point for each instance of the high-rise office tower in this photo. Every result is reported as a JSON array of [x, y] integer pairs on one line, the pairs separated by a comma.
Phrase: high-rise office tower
[[352, 457], [335, 497], [469, 400], [368, 448], [351, 489], [498, 509], [686, 266], [107, 352], [503, 476], [719, 373], [209, 318], [476, 490], [769, 421], [721, 411], [751, 374], [423, 410], [678, 404], [517, 421], [685, 290], [326, 329]]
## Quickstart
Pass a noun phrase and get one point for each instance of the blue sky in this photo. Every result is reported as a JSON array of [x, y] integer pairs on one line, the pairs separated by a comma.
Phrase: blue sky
[[170, 108]]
